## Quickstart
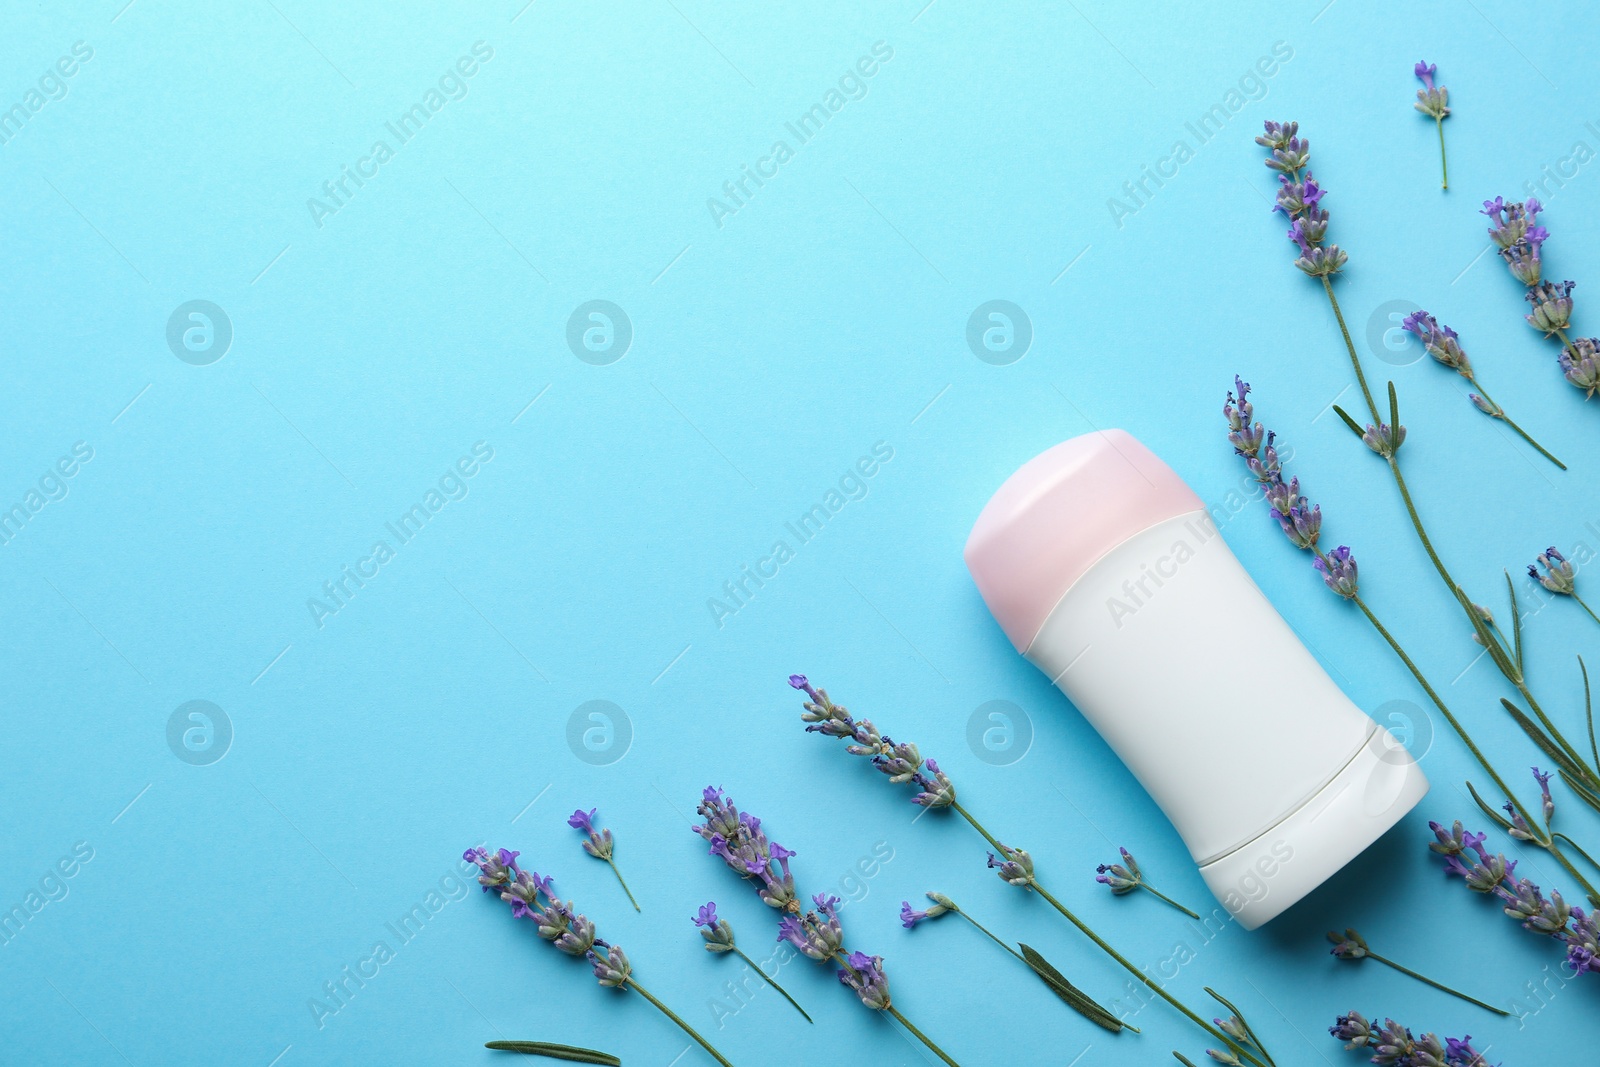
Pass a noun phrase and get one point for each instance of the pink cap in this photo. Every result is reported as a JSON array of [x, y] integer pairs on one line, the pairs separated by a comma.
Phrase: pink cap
[[1063, 510]]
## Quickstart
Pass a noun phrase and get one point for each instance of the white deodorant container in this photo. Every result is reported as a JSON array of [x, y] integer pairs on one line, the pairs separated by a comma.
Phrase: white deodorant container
[[1108, 573]]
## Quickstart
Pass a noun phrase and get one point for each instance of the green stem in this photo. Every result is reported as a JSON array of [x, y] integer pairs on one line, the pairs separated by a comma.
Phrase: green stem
[[920, 1036], [1437, 985], [768, 979], [669, 1013], [1162, 896], [1585, 607], [1107, 949], [624, 884], [1518, 430], [990, 936], [1590, 779], [1444, 164]]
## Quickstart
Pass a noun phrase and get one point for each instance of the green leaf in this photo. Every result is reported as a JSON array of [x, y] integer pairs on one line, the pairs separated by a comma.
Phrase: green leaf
[[1588, 712], [1562, 761], [1516, 621], [1356, 429], [1585, 794], [555, 1052], [1181, 1058], [1076, 998], [1394, 412], [1499, 819]]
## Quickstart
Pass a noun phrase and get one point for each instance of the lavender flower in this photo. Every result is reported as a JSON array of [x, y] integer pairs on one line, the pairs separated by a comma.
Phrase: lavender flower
[[716, 931], [612, 969], [1558, 573], [1552, 306], [1300, 199], [1433, 101], [559, 923], [1301, 521], [901, 762], [1354, 1030], [1350, 945], [600, 845], [1548, 805], [718, 937], [1514, 221], [737, 837], [864, 974], [1396, 1046], [1384, 439], [1444, 346], [1441, 342], [1016, 866], [1125, 877], [1525, 902], [1580, 364], [910, 917]]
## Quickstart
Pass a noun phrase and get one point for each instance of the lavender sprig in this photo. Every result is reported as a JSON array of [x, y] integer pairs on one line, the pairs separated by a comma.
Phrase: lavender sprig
[[1350, 945], [1255, 445], [1126, 876], [600, 845], [737, 839], [1515, 232], [1074, 997], [904, 763], [1559, 577], [1443, 344], [718, 937], [1394, 1045], [1241, 1034], [1434, 101], [1467, 857], [558, 922]]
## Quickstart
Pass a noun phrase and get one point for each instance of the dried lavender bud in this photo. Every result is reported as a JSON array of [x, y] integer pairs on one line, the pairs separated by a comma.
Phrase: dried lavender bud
[[612, 968], [1559, 574], [1552, 306], [600, 842], [1339, 572], [1354, 1030], [1514, 221], [1016, 868], [1348, 945], [1440, 341], [716, 931], [1432, 100], [1449, 843], [864, 974], [1580, 363], [910, 917], [1384, 439]]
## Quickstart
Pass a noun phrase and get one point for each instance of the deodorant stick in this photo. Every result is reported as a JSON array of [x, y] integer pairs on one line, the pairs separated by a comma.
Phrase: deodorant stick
[[1108, 573]]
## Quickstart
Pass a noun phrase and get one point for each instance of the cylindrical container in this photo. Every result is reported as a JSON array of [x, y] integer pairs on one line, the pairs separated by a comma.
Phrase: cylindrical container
[[1109, 574]]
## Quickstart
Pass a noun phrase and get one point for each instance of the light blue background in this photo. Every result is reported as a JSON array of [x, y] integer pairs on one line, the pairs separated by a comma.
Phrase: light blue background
[[768, 354]]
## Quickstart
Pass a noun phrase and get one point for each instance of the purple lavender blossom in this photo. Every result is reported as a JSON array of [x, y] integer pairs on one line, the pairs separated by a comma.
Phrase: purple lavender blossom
[[1122, 877], [1441, 342], [1552, 306], [1580, 364], [864, 974], [1432, 100], [1523, 901], [738, 839], [1300, 520], [600, 844], [612, 968], [1349, 945], [1301, 199], [1559, 574], [910, 917], [1354, 1030], [717, 933], [1016, 868], [901, 761], [1548, 805], [558, 923], [1514, 221]]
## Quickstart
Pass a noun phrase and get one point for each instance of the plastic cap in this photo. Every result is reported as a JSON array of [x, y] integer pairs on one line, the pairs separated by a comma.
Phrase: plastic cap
[[1058, 514]]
